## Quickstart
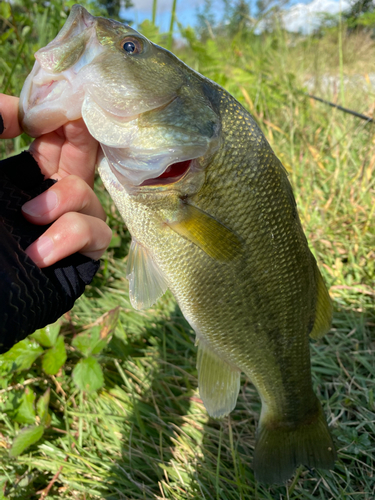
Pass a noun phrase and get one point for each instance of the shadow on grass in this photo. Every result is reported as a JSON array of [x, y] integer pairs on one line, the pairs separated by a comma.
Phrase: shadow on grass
[[146, 434], [161, 404], [171, 449]]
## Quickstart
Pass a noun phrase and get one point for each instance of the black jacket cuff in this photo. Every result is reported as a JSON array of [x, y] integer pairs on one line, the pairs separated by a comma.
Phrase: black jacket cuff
[[30, 297]]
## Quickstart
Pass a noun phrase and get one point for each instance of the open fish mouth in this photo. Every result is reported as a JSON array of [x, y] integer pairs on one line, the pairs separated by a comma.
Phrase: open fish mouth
[[49, 90], [145, 136], [141, 155], [171, 175]]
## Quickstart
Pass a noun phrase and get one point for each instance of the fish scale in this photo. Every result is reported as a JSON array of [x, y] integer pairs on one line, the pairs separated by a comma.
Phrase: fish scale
[[212, 217]]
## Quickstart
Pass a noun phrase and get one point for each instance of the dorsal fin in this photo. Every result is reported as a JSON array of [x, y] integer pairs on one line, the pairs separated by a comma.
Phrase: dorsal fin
[[323, 313]]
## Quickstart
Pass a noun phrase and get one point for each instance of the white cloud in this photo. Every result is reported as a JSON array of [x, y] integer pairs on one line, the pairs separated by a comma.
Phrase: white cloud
[[305, 17], [164, 5]]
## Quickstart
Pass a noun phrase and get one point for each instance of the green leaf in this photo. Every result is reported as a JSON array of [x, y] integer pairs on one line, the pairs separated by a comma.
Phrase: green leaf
[[3, 38], [5, 10], [54, 358], [25, 413], [47, 336], [42, 406], [88, 375], [25, 438], [89, 342], [115, 241], [21, 356]]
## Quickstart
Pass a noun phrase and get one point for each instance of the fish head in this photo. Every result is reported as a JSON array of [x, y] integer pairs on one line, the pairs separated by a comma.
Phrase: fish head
[[146, 107]]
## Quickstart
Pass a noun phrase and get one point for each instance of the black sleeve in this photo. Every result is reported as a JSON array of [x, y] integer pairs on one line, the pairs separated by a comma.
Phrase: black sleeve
[[30, 297]]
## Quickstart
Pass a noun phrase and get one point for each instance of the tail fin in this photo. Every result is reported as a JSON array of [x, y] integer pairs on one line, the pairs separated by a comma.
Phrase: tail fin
[[280, 449]]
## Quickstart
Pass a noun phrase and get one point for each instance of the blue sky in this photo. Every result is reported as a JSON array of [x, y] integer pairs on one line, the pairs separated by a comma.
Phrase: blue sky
[[300, 16]]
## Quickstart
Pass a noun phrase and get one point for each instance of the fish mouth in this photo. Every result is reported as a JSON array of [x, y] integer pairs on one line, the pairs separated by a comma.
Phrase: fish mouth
[[140, 162], [172, 174], [66, 84], [48, 90]]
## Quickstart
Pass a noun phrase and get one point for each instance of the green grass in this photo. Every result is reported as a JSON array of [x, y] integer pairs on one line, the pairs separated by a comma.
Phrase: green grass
[[145, 434]]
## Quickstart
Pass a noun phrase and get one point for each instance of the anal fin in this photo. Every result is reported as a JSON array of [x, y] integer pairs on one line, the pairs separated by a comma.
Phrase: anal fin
[[218, 382], [146, 282]]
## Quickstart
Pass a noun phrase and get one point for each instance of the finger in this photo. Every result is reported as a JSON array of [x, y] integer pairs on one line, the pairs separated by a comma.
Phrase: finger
[[9, 124], [70, 194], [79, 151], [71, 233], [47, 151], [68, 150]]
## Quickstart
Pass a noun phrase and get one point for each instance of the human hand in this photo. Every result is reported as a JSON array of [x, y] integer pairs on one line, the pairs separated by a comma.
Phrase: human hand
[[69, 156]]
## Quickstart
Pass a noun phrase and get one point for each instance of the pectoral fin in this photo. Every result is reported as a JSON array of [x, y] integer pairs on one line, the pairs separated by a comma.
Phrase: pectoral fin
[[218, 241], [218, 382], [146, 282], [323, 314]]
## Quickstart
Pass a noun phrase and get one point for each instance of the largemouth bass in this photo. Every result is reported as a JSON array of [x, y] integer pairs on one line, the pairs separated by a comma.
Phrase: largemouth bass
[[212, 217]]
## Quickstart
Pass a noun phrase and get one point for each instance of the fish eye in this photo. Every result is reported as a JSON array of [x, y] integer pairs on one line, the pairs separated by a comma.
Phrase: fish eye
[[132, 46]]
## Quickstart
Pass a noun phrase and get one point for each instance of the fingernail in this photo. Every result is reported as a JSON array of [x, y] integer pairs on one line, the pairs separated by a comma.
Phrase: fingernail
[[41, 249], [41, 205], [1, 124]]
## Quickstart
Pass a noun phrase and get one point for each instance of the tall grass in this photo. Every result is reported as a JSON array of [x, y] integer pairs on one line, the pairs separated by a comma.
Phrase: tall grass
[[154, 9], [171, 26], [145, 434]]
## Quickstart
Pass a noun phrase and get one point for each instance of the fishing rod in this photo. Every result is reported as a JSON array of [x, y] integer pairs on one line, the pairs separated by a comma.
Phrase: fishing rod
[[341, 108]]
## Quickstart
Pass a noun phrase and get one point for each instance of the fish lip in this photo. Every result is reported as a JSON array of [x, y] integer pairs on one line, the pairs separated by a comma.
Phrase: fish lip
[[77, 14], [49, 84], [85, 16], [44, 88], [118, 118]]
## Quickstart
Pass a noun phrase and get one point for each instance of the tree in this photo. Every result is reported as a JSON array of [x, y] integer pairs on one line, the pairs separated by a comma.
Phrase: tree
[[206, 21], [359, 7], [113, 7], [361, 14]]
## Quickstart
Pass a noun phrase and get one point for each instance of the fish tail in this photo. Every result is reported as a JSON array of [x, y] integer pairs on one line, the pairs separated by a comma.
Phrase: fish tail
[[281, 447]]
